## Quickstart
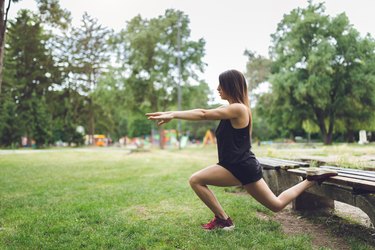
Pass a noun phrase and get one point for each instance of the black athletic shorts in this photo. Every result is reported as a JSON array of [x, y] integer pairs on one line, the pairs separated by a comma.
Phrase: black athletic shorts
[[246, 172]]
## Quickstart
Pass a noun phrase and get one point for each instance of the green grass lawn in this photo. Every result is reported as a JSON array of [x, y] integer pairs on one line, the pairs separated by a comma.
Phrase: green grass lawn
[[109, 199]]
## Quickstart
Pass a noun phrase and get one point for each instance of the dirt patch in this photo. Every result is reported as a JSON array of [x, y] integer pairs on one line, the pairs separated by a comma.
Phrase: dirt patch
[[327, 230], [293, 224]]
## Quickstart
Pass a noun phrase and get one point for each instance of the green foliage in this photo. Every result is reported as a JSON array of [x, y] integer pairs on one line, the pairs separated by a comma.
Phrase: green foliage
[[74, 87], [9, 122], [310, 127], [323, 71], [147, 50], [40, 121], [67, 108], [258, 69], [85, 53], [273, 120], [261, 129], [113, 99], [51, 12], [147, 79], [139, 127], [29, 74]]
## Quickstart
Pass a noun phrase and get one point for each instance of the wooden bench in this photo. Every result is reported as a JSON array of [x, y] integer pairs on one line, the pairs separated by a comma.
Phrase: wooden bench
[[351, 186]]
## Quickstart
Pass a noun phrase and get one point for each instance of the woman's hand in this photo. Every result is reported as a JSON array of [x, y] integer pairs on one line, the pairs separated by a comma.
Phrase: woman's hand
[[161, 117]]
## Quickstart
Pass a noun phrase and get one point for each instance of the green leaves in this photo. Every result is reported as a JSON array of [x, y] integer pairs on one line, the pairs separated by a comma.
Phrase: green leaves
[[88, 76], [150, 52], [318, 61], [29, 74]]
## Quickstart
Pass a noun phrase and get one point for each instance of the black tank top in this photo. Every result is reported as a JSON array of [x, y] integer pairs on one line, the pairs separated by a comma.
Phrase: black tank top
[[233, 144]]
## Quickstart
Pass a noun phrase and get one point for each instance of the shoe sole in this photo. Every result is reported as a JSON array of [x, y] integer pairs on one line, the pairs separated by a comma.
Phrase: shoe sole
[[222, 228], [228, 228]]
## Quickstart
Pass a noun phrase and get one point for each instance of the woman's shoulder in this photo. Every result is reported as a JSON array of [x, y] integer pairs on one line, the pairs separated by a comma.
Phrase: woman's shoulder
[[239, 106]]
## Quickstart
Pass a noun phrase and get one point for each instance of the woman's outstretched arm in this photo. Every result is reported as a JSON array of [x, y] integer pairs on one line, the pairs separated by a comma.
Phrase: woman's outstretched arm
[[231, 111]]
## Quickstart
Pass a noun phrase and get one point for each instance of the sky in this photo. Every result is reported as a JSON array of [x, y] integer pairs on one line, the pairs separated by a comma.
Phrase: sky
[[228, 27]]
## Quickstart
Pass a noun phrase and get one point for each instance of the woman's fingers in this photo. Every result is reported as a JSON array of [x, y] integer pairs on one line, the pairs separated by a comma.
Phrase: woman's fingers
[[160, 117], [155, 113], [155, 118]]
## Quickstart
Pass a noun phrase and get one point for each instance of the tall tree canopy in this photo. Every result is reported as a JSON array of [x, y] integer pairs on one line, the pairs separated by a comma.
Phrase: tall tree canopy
[[323, 71], [148, 53], [30, 73], [50, 12], [89, 55], [258, 69]]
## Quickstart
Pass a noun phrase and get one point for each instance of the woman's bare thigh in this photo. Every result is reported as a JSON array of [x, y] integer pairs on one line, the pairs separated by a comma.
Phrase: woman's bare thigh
[[262, 193], [216, 175]]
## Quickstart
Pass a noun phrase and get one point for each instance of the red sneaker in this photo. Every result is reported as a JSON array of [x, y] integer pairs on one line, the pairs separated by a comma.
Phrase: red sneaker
[[217, 223]]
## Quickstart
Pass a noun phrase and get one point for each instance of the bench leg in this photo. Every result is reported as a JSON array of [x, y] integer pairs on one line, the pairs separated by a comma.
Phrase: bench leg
[[308, 201], [366, 203]]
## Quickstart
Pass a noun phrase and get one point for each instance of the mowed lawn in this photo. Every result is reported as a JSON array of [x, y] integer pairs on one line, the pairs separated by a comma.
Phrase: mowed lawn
[[110, 199]]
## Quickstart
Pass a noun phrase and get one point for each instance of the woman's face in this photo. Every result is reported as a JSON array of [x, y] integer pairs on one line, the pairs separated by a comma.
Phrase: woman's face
[[221, 93]]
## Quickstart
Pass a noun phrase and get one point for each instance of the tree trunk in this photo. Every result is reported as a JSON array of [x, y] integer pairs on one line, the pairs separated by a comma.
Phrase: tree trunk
[[327, 135], [161, 137], [350, 136], [1, 63], [92, 122], [328, 139], [2, 40], [3, 23], [323, 130]]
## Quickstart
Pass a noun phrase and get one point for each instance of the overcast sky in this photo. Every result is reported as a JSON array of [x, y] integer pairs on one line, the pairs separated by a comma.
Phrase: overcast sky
[[228, 27]]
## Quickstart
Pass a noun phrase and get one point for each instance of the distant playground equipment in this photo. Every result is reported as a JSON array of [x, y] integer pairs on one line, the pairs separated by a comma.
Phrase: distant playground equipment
[[169, 138], [209, 138], [98, 140]]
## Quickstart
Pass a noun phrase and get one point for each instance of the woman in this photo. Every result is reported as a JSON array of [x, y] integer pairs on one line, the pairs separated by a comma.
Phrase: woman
[[237, 164]]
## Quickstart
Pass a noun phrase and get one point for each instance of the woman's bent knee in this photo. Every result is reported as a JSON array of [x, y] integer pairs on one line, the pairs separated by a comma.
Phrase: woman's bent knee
[[193, 180]]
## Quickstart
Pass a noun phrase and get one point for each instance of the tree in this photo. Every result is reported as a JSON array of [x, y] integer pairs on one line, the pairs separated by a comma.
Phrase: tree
[[90, 53], [113, 98], [10, 133], [40, 121], [49, 12], [322, 70], [3, 23], [274, 119], [30, 74], [148, 54], [258, 69]]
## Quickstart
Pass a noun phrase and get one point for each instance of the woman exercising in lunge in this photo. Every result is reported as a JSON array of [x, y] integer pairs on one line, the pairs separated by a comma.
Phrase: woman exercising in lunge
[[237, 164]]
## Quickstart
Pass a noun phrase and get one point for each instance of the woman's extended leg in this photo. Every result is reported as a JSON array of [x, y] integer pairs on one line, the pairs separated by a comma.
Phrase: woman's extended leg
[[213, 175], [262, 193]]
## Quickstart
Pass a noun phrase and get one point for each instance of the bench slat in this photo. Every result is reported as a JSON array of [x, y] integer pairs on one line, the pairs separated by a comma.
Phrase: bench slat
[[351, 171], [359, 184], [273, 163], [291, 162], [356, 177]]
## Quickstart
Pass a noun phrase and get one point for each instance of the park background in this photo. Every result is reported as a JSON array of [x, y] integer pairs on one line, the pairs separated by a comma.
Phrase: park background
[[63, 80], [70, 85]]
